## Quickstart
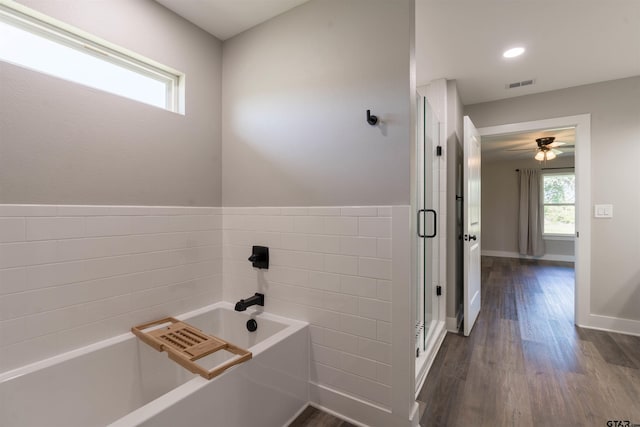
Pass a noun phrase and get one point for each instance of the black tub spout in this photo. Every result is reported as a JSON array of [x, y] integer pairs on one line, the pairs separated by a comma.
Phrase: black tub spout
[[243, 304]]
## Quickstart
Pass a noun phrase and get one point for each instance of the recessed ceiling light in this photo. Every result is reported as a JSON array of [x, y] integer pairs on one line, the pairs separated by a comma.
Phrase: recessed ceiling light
[[512, 53]]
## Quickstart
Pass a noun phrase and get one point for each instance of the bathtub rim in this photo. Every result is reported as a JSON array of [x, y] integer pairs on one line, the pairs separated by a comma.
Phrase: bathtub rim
[[292, 325]]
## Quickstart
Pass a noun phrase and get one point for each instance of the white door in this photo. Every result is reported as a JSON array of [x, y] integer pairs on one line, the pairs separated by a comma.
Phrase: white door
[[471, 219]]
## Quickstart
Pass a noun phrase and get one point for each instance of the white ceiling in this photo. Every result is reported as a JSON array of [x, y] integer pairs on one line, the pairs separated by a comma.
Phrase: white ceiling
[[568, 43], [524, 146], [226, 18]]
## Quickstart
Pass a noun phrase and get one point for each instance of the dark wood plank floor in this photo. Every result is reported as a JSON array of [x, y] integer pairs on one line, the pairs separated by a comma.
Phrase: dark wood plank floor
[[526, 363], [312, 417]]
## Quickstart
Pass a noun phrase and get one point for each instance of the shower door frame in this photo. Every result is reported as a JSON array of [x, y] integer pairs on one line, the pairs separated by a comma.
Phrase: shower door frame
[[429, 343]]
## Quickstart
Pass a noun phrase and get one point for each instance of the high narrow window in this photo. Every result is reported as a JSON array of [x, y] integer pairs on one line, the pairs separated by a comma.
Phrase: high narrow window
[[32, 43], [559, 198]]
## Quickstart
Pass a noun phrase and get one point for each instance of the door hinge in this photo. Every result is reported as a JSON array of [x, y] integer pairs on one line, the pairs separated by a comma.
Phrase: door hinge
[[577, 234], [439, 150], [438, 290]]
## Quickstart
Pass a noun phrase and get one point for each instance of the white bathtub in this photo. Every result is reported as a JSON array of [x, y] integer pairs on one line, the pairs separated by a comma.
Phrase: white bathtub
[[123, 382]]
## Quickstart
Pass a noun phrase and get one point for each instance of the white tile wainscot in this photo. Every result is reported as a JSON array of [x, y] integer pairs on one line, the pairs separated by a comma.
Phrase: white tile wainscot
[[73, 275], [332, 267]]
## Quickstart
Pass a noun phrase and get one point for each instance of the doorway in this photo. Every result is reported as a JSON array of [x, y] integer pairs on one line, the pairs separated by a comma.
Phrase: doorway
[[504, 159], [581, 124]]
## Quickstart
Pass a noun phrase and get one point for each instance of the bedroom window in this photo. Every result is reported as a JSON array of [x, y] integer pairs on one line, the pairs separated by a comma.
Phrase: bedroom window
[[559, 198], [31, 40]]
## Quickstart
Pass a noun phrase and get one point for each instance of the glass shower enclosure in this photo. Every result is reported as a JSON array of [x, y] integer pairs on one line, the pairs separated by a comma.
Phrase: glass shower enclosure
[[427, 239]]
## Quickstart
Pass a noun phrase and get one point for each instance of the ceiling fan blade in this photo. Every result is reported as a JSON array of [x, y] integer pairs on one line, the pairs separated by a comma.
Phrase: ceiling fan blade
[[561, 144], [521, 149]]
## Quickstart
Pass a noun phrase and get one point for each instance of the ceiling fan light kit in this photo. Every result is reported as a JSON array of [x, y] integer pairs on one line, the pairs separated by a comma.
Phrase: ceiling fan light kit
[[544, 149]]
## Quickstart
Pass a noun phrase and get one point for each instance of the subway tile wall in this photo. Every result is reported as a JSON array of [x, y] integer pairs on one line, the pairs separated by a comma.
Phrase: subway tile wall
[[72, 275], [330, 266]]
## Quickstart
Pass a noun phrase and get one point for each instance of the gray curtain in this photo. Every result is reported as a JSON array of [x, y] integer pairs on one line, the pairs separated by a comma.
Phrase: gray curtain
[[530, 217]]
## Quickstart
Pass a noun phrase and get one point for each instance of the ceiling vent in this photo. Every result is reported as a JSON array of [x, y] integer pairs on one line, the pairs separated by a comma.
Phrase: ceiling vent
[[520, 84]]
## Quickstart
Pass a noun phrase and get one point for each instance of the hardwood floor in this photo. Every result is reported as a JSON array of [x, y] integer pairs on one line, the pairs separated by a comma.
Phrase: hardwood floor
[[526, 363], [312, 417]]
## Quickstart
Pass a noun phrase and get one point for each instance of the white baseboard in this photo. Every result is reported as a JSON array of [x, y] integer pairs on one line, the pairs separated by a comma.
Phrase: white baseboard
[[453, 323], [356, 411], [414, 418], [546, 257], [432, 352], [613, 324], [296, 415]]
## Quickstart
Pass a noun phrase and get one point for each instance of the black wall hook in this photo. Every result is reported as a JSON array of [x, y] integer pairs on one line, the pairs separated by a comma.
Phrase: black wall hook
[[371, 119]]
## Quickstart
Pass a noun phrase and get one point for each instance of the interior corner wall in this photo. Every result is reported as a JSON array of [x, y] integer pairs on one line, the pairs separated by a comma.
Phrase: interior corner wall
[[296, 91], [63, 143], [615, 131], [296, 141], [500, 199]]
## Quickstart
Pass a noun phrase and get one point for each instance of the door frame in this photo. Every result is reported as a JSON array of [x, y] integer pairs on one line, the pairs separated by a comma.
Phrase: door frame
[[582, 124]]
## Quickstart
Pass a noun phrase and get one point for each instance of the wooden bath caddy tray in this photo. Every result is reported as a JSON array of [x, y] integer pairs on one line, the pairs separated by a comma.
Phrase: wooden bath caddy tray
[[186, 344]]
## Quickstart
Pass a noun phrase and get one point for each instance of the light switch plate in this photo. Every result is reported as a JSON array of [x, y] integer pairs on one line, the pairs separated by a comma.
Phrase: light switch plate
[[603, 211]]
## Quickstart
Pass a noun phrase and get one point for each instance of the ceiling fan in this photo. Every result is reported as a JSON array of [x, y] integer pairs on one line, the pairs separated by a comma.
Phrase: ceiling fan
[[548, 148]]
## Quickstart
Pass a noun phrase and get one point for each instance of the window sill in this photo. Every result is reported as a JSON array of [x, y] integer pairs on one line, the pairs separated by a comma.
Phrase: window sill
[[566, 237]]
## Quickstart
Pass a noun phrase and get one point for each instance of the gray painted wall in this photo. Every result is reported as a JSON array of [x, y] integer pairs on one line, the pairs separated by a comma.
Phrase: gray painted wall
[[615, 176], [500, 199], [65, 143], [295, 93]]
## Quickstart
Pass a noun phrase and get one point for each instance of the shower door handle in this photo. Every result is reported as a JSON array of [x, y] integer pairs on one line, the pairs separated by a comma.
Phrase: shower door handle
[[418, 223], [435, 222]]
